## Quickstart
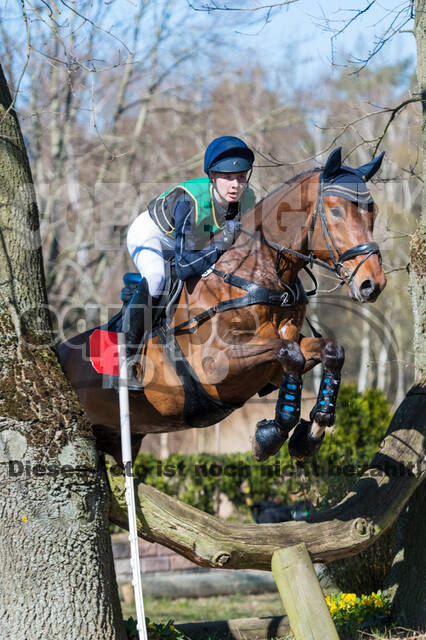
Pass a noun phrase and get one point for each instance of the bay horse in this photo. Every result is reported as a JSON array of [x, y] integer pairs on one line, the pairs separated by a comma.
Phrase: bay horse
[[237, 329]]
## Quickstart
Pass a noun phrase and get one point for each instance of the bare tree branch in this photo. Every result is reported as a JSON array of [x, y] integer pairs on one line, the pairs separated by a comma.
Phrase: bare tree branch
[[214, 6], [402, 16], [393, 111], [27, 59]]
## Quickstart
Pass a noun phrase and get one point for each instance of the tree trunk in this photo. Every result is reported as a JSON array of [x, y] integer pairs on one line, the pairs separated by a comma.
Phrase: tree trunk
[[418, 243], [364, 362], [406, 582], [56, 571]]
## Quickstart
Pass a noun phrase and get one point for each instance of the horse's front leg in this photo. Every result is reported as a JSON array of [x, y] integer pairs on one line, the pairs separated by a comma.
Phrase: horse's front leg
[[308, 436], [271, 434]]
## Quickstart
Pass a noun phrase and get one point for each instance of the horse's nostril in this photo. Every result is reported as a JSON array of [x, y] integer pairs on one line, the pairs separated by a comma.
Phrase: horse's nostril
[[366, 285], [369, 290]]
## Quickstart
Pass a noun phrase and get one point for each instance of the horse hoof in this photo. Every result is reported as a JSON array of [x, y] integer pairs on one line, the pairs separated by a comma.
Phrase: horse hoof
[[267, 440], [301, 445], [323, 419]]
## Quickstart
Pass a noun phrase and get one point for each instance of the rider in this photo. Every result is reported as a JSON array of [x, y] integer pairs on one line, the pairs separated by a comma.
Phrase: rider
[[182, 221]]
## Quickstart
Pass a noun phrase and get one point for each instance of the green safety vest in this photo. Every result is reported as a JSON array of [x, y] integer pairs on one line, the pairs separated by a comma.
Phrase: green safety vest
[[161, 209]]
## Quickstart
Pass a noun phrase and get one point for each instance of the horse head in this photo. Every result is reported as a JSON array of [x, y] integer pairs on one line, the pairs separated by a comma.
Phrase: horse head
[[341, 227]]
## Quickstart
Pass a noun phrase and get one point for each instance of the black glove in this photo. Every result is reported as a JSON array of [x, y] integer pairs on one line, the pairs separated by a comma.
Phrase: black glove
[[229, 233], [233, 226]]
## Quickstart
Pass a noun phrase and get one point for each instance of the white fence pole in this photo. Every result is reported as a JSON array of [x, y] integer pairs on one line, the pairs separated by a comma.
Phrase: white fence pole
[[126, 450]]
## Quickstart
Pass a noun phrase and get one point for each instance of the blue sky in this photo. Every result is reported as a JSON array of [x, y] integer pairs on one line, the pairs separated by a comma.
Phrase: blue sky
[[304, 26], [294, 46]]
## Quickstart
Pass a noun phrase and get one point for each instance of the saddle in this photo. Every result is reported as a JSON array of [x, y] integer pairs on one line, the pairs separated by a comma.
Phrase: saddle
[[163, 307], [163, 310], [200, 409]]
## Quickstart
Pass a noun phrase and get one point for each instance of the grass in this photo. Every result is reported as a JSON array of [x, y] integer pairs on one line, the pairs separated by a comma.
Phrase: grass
[[213, 608], [392, 633], [241, 606]]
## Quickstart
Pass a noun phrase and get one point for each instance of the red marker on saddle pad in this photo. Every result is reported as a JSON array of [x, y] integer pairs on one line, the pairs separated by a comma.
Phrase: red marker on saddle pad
[[104, 352]]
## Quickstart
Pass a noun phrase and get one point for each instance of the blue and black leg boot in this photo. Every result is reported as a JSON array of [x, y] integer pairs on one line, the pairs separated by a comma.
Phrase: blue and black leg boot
[[302, 444], [287, 411], [327, 398], [271, 434]]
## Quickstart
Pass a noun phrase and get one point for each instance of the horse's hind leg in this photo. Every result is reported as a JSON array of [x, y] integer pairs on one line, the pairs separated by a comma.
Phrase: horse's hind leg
[[308, 436], [271, 434]]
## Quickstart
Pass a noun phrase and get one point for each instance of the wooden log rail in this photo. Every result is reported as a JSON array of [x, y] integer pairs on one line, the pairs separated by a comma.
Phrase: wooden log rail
[[353, 525]]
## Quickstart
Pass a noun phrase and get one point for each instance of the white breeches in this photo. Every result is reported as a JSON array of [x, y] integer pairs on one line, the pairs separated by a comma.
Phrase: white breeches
[[146, 243]]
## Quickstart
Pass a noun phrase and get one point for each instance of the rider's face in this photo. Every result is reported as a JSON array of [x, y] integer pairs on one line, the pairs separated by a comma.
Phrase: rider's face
[[229, 187]]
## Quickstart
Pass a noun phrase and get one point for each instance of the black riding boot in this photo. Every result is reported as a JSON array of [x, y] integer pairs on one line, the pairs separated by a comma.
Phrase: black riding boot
[[134, 325]]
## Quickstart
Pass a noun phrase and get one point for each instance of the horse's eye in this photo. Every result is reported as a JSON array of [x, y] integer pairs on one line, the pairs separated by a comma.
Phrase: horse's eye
[[337, 212]]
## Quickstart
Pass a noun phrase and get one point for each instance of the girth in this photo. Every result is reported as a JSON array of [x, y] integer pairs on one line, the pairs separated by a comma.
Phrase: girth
[[256, 294]]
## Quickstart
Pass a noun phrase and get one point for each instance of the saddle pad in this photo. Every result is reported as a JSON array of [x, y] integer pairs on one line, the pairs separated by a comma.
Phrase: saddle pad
[[104, 352]]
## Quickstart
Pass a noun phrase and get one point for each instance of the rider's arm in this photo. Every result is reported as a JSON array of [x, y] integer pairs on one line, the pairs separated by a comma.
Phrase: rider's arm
[[191, 260]]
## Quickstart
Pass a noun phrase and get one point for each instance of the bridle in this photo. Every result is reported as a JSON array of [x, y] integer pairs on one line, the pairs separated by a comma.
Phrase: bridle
[[366, 249]]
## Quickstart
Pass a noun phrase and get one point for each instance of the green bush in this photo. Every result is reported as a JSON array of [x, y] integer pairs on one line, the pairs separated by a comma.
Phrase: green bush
[[156, 631], [198, 480], [361, 422]]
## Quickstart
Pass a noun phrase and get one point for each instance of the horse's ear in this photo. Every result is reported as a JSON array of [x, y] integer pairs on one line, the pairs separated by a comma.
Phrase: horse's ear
[[368, 170], [333, 164]]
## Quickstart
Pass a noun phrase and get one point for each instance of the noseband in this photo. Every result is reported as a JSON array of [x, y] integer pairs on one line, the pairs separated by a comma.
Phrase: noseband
[[365, 249]]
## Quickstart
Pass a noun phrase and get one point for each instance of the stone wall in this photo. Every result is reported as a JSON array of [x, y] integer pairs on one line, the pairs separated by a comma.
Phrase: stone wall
[[154, 557], [167, 574]]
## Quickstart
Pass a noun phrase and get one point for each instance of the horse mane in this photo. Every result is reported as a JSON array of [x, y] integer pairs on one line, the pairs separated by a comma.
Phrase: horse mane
[[284, 189], [292, 182], [304, 174]]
